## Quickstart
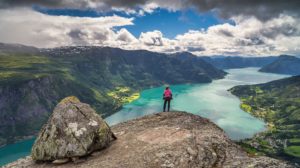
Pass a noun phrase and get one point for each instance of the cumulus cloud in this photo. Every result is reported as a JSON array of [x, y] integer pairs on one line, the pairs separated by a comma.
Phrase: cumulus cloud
[[195, 48], [125, 36], [153, 38], [248, 36], [33, 28], [262, 9]]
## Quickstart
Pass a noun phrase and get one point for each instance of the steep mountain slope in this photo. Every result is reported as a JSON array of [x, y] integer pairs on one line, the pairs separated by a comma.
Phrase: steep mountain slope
[[193, 61], [147, 66], [17, 48], [239, 62], [278, 103], [284, 65], [32, 82]]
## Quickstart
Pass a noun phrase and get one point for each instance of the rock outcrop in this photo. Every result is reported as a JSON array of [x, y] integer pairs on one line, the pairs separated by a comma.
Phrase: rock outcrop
[[168, 139], [73, 130]]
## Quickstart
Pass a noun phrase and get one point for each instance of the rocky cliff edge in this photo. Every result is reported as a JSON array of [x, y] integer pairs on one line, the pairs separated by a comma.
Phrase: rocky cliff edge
[[168, 139]]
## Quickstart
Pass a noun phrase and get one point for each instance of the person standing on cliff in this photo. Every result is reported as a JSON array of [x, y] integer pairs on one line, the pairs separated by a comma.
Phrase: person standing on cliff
[[167, 96]]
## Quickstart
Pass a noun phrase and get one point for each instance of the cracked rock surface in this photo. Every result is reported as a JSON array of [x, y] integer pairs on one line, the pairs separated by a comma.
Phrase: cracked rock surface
[[74, 129], [168, 139]]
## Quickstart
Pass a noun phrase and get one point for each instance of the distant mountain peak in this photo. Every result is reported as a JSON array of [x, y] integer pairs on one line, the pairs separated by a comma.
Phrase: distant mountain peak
[[285, 64]]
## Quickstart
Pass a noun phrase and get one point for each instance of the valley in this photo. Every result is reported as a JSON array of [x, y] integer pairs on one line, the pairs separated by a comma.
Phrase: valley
[[277, 103], [34, 80], [209, 100], [88, 83], [113, 81]]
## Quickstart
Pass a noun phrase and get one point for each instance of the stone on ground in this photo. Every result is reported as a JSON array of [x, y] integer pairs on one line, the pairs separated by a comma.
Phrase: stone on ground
[[73, 130]]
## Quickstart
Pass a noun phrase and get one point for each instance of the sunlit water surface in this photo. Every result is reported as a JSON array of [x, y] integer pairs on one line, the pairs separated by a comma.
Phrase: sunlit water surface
[[210, 100]]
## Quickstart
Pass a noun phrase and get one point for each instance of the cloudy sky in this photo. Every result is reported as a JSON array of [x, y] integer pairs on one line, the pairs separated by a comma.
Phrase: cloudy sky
[[203, 27]]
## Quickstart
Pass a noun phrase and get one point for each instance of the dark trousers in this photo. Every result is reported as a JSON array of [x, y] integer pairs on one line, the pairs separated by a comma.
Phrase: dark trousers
[[165, 103]]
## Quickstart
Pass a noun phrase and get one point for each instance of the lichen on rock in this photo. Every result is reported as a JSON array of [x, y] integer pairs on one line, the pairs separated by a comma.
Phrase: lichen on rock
[[73, 130]]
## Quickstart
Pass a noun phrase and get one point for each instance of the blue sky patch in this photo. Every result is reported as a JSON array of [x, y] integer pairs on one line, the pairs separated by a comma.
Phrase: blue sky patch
[[170, 23]]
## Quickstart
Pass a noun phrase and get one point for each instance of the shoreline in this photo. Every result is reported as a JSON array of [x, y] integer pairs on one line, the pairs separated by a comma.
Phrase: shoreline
[[20, 140], [272, 141], [133, 93]]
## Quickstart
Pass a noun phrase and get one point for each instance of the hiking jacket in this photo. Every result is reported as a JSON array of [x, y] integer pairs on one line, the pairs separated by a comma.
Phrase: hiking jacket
[[167, 94]]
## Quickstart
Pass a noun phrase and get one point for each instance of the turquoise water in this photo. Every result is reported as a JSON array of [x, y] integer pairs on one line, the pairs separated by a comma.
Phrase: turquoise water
[[208, 100], [15, 151]]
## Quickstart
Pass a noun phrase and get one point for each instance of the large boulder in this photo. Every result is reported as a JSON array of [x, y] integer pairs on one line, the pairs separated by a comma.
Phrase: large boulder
[[73, 130], [168, 140]]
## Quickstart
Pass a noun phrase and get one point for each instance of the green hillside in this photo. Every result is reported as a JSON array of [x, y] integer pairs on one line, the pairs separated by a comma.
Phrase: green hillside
[[278, 103], [285, 64], [32, 81]]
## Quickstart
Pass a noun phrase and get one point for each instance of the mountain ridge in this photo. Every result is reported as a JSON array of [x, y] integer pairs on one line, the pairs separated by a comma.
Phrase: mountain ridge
[[285, 64], [101, 76], [231, 62]]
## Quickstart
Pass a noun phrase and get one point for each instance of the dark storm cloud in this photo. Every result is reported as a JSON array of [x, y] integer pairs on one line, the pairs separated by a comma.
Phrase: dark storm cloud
[[76, 34], [126, 3], [101, 36], [251, 41], [17, 3], [225, 33], [69, 3], [195, 49], [283, 29], [177, 48], [257, 41], [262, 9], [78, 37]]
